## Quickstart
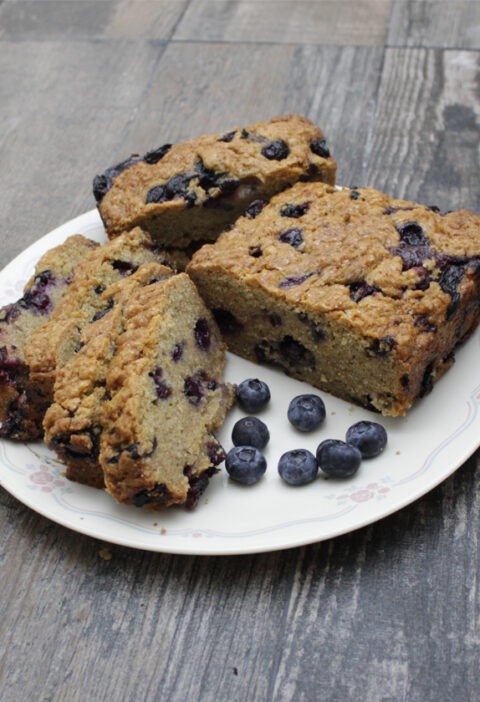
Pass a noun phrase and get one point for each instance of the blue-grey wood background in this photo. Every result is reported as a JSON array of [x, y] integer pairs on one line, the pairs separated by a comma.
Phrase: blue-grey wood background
[[390, 613]]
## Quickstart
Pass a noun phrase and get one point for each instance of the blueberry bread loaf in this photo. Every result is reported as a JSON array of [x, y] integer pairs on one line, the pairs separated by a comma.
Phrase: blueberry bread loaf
[[54, 343], [21, 405], [165, 396], [188, 193], [72, 422], [361, 295]]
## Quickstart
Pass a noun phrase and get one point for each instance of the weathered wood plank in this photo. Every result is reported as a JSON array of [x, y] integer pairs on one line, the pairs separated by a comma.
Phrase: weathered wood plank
[[374, 615], [44, 20], [426, 134], [387, 614], [435, 23], [173, 624], [349, 616], [145, 19], [350, 22], [63, 111], [223, 86]]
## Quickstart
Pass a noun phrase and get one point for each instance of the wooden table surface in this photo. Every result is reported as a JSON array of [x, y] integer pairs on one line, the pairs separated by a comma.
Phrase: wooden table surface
[[388, 613]]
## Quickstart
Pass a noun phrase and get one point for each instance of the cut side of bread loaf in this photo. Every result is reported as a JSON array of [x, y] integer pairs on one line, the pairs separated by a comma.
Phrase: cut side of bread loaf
[[359, 294], [22, 402]]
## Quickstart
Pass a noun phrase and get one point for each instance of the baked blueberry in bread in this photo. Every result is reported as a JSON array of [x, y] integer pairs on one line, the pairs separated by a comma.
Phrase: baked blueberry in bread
[[186, 194], [357, 293], [22, 403]]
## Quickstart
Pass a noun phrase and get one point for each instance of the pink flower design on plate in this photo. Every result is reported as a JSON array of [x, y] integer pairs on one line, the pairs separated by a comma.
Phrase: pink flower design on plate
[[45, 480], [370, 491], [41, 477], [362, 495]]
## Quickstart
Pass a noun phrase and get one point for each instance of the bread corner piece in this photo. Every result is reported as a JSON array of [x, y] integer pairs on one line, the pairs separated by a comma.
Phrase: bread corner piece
[[166, 398], [361, 295], [22, 400], [187, 193]]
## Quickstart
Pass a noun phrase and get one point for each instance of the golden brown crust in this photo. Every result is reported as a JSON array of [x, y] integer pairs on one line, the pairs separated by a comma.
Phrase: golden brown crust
[[217, 176], [53, 343], [72, 422], [360, 294]]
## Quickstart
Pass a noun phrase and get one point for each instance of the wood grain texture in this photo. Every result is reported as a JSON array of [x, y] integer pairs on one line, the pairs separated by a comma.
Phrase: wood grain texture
[[219, 87], [389, 608], [53, 140], [390, 613], [350, 22], [43, 20], [430, 150], [435, 23], [387, 613]]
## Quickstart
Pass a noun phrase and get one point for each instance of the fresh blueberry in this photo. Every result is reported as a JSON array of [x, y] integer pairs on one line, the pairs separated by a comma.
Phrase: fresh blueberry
[[306, 412], [250, 431], [253, 394], [245, 464], [338, 459], [298, 467], [370, 438]]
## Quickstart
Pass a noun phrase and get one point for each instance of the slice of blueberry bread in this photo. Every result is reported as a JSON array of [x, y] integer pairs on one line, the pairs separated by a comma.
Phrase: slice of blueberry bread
[[72, 422], [21, 405], [53, 343], [188, 193], [359, 294], [166, 398]]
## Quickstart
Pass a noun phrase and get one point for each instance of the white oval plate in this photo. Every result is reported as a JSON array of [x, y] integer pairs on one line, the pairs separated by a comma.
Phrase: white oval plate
[[425, 447]]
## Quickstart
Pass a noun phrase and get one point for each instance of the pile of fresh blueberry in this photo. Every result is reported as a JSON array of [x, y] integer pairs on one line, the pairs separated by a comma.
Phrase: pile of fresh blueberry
[[246, 464]]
